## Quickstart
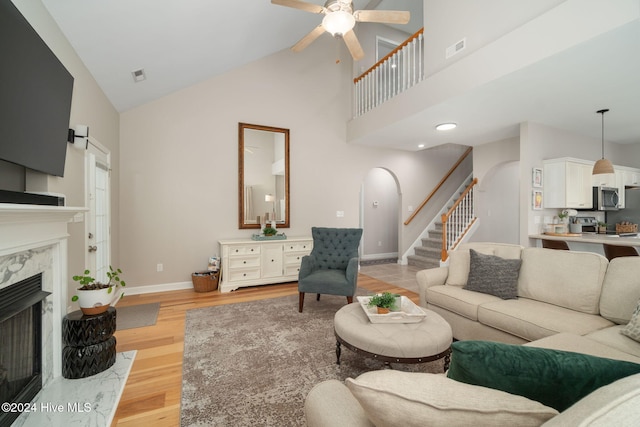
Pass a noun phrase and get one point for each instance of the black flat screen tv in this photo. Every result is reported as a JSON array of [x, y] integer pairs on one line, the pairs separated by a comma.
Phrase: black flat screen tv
[[35, 97]]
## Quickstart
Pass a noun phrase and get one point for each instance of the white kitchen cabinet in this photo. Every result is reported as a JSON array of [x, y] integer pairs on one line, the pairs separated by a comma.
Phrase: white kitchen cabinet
[[604, 180], [631, 177], [247, 262], [567, 183]]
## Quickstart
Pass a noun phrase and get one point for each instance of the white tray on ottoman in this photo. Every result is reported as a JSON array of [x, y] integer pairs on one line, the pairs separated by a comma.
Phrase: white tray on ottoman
[[409, 312]]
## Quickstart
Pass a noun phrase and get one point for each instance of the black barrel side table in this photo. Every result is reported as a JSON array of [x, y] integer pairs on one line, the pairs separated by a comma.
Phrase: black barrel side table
[[90, 346]]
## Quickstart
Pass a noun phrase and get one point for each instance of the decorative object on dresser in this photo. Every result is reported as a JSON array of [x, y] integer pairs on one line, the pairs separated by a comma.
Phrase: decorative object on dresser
[[332, 265], [247, 262], [94, 296]]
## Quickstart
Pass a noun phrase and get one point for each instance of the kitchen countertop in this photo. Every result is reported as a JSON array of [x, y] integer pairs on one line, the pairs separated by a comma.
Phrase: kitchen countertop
[[611, 239]]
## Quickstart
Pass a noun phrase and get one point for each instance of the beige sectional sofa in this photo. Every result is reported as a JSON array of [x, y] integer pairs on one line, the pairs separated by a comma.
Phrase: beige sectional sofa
[[566, 300], [580, 295]]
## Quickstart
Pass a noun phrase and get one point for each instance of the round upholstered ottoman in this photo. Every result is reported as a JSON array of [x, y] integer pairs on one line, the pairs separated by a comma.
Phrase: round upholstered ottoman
[[424, 341]]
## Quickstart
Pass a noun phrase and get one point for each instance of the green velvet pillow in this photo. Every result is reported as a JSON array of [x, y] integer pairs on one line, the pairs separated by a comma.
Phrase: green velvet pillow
[[552, 377]]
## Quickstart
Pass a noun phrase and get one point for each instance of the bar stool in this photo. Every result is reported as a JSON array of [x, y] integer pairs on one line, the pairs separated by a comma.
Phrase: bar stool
[[614, 251], [555, 244]]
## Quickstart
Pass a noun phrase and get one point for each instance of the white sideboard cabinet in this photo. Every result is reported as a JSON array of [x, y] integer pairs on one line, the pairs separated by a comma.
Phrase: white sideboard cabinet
[[247, 262]]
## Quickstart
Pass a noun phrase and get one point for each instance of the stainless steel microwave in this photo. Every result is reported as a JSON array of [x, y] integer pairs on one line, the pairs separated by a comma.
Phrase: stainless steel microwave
[[605, 199]]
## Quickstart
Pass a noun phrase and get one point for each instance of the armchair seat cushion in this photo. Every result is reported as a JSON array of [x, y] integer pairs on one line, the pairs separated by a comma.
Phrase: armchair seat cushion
[[333, 282]]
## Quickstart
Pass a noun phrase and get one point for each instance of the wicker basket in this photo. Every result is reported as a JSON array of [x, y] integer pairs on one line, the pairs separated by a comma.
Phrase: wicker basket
[[626, 228], [205, 281]]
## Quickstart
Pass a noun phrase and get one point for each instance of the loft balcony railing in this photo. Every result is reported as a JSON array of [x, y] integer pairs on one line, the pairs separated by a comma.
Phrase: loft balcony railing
[[401, 69]]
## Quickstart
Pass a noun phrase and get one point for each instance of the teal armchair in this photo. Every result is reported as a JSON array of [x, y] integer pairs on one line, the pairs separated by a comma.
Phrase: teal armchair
[[332, 266]]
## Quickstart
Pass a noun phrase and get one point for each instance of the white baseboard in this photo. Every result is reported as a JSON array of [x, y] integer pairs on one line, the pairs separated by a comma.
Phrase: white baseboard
[[379, 256], [165, 287]]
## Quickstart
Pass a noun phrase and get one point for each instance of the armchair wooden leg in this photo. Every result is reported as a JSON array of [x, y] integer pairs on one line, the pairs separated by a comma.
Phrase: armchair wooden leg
[[349, 300], [300, 302]]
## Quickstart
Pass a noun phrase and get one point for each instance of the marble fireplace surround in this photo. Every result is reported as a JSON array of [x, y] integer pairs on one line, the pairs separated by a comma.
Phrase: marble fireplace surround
[[33, 239]]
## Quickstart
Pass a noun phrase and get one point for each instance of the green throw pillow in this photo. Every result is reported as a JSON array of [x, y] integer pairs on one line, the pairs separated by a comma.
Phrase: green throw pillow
[[552, 377]]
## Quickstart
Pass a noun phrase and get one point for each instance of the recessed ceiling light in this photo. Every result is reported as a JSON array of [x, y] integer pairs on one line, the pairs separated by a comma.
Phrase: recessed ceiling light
[[421, 146], [446, 126]]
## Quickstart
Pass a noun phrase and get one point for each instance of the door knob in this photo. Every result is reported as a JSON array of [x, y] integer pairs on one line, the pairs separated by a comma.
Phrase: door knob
[[93, 248]]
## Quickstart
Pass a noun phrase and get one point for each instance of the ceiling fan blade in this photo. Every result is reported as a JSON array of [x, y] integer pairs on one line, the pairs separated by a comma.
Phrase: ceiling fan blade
[[383, 16], [308, 39], [353, 45], [297, 4]]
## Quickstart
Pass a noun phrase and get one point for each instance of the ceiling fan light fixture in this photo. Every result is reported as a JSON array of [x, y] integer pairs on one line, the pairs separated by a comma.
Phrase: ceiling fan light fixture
[[602, 166], [338, 22]]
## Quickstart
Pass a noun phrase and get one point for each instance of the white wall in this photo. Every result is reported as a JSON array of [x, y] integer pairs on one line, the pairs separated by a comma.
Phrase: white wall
[[89, 106], [496, 165], [180, 164], [480, 22]]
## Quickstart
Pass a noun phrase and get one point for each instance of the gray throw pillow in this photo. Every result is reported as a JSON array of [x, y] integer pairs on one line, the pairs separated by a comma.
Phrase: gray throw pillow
[[493, 275], [632, 330]]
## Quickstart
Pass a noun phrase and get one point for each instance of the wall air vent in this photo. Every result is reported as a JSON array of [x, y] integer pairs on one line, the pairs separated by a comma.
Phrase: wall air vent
[[455, 48], [138, 75]]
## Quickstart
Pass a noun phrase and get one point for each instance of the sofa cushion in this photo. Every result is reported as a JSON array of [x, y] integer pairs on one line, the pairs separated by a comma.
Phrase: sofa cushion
[[457, 300], [532, 320], [568, 279], [621, 289], [615, 404], [583, 344], [553, 377], [493, 275], [393, 398], [613, 338], [459, 258]]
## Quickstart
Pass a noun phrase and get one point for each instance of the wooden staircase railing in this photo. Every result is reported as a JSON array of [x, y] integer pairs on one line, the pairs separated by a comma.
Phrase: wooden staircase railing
[[440, 184], [401, 69], [458, 220]]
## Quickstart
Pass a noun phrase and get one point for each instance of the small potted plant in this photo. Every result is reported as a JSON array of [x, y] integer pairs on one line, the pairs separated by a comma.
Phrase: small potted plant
[[95, 297], [602, 227], [385, 302], [269, 231]]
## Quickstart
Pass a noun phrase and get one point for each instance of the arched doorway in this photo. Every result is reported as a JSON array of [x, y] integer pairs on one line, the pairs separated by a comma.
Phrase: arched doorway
[[380, 216]]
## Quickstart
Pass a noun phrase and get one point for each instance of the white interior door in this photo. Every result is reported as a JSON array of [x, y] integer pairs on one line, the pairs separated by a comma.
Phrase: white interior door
[[98, 224]]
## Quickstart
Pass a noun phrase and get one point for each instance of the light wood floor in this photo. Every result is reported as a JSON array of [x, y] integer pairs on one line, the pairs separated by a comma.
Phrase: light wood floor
[[152, 394]]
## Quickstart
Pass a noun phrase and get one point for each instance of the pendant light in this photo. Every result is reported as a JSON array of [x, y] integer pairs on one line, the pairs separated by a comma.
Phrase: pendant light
[[603, 165]]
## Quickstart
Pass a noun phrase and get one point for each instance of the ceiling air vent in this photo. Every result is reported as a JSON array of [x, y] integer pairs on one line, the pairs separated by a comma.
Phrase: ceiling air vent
[[455, 48], [138, 75]]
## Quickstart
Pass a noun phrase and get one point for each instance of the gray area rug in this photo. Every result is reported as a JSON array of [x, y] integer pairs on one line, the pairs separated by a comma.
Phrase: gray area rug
[[253, 363], [136, 316]]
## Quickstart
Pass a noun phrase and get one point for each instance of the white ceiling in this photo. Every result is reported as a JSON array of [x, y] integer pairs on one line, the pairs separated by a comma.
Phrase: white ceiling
[[180, 43]]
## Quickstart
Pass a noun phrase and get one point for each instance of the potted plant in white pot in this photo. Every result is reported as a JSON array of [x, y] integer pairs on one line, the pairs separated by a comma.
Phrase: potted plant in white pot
[[95, 297]]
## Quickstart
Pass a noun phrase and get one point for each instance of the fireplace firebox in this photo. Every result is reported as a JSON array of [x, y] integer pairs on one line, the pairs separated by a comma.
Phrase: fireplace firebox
[[20, 344]]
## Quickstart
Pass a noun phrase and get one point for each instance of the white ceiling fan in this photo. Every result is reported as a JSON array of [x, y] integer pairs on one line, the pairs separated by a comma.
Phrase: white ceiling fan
[[339, 21]]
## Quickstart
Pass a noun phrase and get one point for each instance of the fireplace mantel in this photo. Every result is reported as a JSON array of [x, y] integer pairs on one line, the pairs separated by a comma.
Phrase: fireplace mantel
[[24, 227]]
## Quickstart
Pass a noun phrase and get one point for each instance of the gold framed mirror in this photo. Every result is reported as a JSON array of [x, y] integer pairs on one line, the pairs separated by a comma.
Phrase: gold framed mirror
[[263, 176]]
